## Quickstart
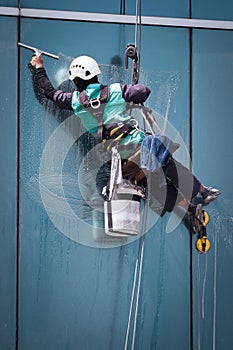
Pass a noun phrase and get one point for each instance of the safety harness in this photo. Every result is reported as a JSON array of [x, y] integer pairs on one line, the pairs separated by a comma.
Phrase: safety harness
[[96, 107]]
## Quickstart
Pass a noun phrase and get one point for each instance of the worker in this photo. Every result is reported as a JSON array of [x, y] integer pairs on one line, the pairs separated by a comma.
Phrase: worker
[[101, 111]]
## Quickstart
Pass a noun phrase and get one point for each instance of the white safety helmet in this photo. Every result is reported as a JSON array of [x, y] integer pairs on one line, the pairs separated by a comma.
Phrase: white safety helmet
[[83, 67]]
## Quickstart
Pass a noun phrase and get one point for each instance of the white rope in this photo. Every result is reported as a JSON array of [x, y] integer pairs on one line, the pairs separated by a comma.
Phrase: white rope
[[141, 248], [166, 115], [131, 304], [149, 116], [141, 253], [137, 275], [136, 25], [138, 294]]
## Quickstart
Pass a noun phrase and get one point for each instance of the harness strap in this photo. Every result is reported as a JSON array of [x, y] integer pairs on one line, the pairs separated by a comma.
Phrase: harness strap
[[118, 130], [118, 133], [96, 107]]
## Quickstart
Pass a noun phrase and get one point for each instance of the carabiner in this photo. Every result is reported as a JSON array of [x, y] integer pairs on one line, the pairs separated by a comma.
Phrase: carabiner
[[134, 123]]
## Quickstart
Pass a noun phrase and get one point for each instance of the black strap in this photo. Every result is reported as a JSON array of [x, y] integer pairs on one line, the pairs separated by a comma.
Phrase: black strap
[[103, 98], [96, 107], [120, 130], [104, 93]]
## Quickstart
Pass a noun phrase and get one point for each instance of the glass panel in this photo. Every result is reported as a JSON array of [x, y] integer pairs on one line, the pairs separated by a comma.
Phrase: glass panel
[[103, 6], [9, 3], [218, 10], [8, 163], [165, 8], [212, 150], [64, 280]]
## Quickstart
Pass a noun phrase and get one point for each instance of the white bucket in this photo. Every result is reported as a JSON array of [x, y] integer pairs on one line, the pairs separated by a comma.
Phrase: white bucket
[[122, 215]]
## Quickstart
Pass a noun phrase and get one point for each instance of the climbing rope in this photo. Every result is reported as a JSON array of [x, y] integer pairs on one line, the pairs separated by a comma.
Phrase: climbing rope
[[132, 50], [138, 28], [133, 53], [138, 273], [122, 7]]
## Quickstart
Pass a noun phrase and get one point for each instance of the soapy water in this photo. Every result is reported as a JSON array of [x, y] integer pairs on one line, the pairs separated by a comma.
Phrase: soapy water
[[71, 194]]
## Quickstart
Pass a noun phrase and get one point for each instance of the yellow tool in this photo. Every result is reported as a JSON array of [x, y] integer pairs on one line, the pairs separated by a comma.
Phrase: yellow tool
[[202, 243]]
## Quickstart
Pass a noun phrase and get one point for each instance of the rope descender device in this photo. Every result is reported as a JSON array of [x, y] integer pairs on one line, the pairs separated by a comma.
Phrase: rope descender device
[[132, 52]]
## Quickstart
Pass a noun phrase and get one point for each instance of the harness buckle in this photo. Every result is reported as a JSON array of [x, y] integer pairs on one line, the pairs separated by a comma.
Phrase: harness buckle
[[95, 103], [120, 124], [134, 123]]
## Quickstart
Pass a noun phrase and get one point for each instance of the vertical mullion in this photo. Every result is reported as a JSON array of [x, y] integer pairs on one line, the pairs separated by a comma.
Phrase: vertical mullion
[[18, 188], [191, 157]]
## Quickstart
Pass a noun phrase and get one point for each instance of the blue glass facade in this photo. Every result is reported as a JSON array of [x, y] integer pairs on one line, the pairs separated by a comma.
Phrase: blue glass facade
[[8, 186], [61, 286], [161, 8]]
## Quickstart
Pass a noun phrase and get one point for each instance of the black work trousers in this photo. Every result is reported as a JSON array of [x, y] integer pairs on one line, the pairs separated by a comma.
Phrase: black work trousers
[[178, 183]]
